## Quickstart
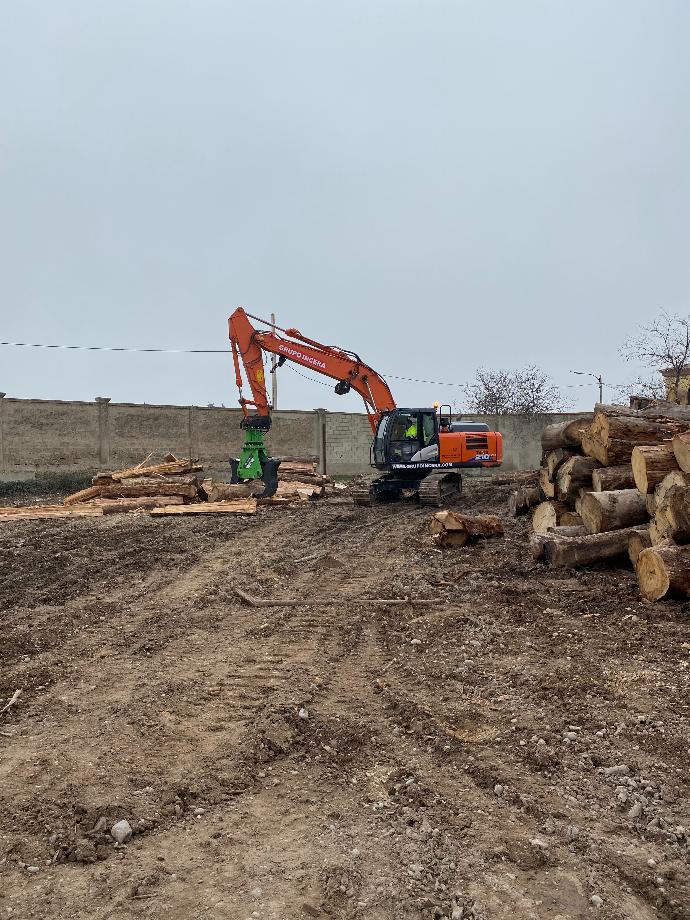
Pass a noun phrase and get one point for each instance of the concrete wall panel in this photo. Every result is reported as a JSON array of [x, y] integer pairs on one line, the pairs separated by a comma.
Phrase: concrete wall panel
[[41, 436]]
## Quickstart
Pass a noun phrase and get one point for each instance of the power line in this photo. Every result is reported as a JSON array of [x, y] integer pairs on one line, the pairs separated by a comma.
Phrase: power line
[[198, 351], [167, 351], [226, 351]]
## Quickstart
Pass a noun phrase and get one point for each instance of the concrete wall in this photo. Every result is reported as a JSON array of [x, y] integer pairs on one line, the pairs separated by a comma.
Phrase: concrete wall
[[40, 437]]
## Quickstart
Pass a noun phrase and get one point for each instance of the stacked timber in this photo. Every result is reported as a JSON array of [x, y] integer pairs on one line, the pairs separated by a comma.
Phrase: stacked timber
[[617, 484]]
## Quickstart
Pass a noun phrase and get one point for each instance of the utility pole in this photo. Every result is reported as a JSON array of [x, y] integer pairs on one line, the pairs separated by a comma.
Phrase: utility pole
[[274, 365], [599, 379]]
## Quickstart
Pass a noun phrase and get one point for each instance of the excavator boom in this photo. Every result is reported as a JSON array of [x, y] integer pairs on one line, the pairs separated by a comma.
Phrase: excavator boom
[[248, 345]]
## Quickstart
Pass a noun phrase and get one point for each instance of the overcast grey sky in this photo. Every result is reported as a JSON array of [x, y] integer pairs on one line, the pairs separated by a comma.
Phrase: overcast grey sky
[[437, 185]]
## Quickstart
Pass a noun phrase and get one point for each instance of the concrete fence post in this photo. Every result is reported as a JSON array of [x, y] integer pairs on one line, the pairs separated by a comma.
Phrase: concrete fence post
[[103, 430], [2, 432], [320, 439], [193, 433]]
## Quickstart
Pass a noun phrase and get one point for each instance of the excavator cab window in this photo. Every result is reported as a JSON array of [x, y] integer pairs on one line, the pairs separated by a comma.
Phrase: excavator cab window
[[405, 435]]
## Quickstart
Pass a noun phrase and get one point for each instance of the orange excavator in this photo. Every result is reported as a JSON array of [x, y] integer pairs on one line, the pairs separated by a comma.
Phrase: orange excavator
[[422, 450]]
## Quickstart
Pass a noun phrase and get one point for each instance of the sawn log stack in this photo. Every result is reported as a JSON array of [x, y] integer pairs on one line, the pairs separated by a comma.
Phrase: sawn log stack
[[616, 483]]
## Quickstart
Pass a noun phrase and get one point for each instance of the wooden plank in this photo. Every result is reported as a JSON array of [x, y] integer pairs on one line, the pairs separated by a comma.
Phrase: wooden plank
[[240, 506], [35, 514]]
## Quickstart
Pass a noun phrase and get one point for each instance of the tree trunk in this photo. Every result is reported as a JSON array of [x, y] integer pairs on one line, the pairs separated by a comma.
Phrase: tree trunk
[[537, 541], [224, 491], [610, 478], [603, 511], [664, 569], [671, 483], [651, 464], [554, 460], [523, 499], [608, 428], [615, 453], [548, 514], [681, 449], [565, 434], [129, 489], [574, 474], [660, 410], [660, 529], [638, 541], [547, 487], [575, 551], [452, 529]]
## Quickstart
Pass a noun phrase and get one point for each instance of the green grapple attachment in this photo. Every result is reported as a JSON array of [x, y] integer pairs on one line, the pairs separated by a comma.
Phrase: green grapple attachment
[[254, 462]]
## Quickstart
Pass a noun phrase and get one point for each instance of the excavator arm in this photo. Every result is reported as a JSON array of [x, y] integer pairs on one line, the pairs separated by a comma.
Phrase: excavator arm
[[248, 345]]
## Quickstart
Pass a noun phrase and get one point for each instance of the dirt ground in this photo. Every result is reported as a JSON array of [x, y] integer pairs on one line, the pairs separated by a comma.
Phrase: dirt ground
[[518, 749]]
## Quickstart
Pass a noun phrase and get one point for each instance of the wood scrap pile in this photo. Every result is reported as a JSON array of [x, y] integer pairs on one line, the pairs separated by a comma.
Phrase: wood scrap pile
[[617, 483], [177, 487]]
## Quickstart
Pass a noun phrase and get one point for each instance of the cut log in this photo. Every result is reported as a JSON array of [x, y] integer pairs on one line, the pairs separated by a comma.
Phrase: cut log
[[608, 428], [610, 478], [225, 491], [537, 541], [452, 529], [300, 491], [615, 453], [83, 496], [548, 514], [677, 512], [603, 511], [41, 512], [681, 450], [174, 466], [651, 464], [555, 459], [671, 483], [638, 541], [651, 504], [576, 551], [155, 487], [664, 569], [660, 529], [125, 505], [570, 519], [523, 499], [239, 506], [565, 434], [574, 474], [660, 410], [547, 487]]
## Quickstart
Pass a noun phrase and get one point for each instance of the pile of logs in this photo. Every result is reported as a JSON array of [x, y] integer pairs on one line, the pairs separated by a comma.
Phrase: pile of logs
[[177, 487], [616, 483]]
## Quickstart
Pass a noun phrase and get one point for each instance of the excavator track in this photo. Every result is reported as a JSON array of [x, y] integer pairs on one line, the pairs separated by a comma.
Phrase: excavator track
[[436, 488]]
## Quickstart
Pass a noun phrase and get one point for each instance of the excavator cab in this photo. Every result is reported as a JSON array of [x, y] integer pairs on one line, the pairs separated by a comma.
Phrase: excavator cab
[[424, 450]]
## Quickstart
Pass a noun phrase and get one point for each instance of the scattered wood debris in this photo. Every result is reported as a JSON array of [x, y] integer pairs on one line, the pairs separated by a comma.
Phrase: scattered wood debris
[[179, 487]]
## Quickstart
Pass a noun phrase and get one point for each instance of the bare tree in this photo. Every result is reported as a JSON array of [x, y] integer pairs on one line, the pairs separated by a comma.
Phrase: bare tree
[[648, 387], [525, 392], [664, 344]]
